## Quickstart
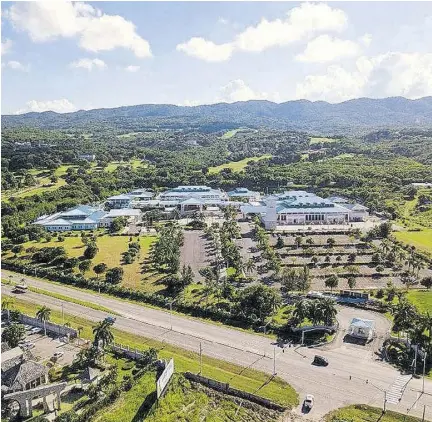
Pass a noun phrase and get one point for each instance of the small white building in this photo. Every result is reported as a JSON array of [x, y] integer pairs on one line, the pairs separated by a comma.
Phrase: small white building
[[361, 328], [120, 201], [87, 157], [132, 214]]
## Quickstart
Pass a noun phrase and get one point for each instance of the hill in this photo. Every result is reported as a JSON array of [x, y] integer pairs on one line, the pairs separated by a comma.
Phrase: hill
[[362, 113]]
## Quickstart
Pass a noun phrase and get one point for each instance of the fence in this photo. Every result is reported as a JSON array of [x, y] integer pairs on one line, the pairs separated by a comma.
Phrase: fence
[[127, 351], [49, 326], [226, 389]]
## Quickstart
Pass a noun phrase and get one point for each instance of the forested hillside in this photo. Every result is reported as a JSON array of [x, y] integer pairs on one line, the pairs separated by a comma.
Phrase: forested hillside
[[302, 114]]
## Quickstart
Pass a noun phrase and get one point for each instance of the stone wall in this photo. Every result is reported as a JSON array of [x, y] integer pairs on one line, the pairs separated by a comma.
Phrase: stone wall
[[226, 389], [127, 351]]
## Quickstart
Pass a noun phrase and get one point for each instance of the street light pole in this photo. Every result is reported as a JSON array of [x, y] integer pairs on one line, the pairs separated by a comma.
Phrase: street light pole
[[200, 359], [385, 401], [62, 313], [424, 370], [274, 360]]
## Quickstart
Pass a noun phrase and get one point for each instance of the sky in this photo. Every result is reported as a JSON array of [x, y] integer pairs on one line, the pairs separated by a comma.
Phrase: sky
[[65, 56]]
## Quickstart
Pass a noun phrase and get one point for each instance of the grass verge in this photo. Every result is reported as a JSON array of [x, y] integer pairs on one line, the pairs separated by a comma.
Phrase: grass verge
[[362, 413], [249, 380]]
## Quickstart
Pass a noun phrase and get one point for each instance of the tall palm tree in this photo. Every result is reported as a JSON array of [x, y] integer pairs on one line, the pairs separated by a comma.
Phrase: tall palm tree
[[102, 334], [301, 310], [7, 304], [44, 314], [250, 266], [328, 310]]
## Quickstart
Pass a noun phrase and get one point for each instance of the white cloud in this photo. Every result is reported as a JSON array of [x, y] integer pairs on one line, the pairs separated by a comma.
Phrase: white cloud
[[15, 65], [206, 50], [88, 64], [237, 90], [45, 21], [390, 74], [132, 68], [327, 49], [6, 46], [59, 106], [301, 23], [366, 40]]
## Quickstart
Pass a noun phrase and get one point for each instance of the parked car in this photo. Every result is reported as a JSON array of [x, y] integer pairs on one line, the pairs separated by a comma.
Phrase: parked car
[[320, 361], [308, 402], [36, 330], [58, 355], [28, 327], [110, 320]]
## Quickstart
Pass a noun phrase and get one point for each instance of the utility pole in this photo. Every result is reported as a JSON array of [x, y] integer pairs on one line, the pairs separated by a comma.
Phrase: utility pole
[[200, 359], [274, 360], [424, 370], [62, 313], [170, 305], [385, 401], [415, 360], [424, 412]]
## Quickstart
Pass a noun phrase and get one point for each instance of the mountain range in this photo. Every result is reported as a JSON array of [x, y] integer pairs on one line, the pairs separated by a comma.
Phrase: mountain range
[[362, 113]]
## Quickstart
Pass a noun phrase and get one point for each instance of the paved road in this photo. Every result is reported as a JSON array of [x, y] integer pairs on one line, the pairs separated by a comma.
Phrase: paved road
[[353, 376]]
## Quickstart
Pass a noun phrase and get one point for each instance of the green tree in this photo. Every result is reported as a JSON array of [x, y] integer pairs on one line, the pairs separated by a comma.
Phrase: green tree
[[84, 266], [13, 334], [100, 268], [44, 315], [332, 282], [91, 251], [7, 304], [102, 334], [258, 300], [331, 242], [280, 242], [114, 275], [351, 282], [426, 282], [118, 224]]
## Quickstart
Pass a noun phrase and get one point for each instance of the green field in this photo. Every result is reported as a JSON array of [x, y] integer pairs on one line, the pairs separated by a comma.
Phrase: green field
[[250, 380], [237, 166], [318, 139], [364, 413], [421, 239], [422, 299], [110, 253], [232, 132]]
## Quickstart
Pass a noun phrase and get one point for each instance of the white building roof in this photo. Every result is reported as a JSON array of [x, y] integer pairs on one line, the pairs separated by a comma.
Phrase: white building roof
[[119, 197], [362, 323], [124, 212]]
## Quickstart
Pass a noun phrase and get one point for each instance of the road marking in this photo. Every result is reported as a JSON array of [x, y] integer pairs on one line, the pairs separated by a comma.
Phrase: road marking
[[394, 394]]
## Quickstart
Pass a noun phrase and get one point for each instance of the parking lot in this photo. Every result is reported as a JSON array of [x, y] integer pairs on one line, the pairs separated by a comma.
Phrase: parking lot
[[43, 348]]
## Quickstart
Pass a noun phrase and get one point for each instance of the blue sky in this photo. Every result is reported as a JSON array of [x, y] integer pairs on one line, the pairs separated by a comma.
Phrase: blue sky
[[68, 56]]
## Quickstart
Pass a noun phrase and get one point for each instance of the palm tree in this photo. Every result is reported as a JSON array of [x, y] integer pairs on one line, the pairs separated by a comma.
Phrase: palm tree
[[7, 305], [301, 310], [43, 314], [327, 310], [298, 241], [102, 334], [250, 266]]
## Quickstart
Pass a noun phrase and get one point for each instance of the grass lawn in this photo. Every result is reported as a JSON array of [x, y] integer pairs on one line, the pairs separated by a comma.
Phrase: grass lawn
[[237, 166], [238, 377], [422, 299], [363, 413], [114, 164], [110, 252], [318, 139], [421, 240]]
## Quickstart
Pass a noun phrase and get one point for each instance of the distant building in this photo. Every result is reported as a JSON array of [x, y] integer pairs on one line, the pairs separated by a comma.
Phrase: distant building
[[88, 157], [120, 201], [244, 193], [422, 185], [133, 215], [300, 207], [82, 217]]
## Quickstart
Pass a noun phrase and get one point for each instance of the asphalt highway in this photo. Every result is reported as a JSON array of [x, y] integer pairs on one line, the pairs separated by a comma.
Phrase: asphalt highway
[[355, 373]]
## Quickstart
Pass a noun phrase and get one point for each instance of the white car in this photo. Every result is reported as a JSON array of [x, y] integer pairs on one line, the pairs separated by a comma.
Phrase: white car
[[36, 330], [28, 327], [308, 402], [27, 345]]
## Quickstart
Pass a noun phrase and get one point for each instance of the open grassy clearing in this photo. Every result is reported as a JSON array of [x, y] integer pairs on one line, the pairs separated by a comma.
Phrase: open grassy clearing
[[318, 140], [136, 275], [422, 299], [420, 239], [135, 163], [128, 135], [232, 132], [365, 413], [413, 215], [237, 166], [238, 377]]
